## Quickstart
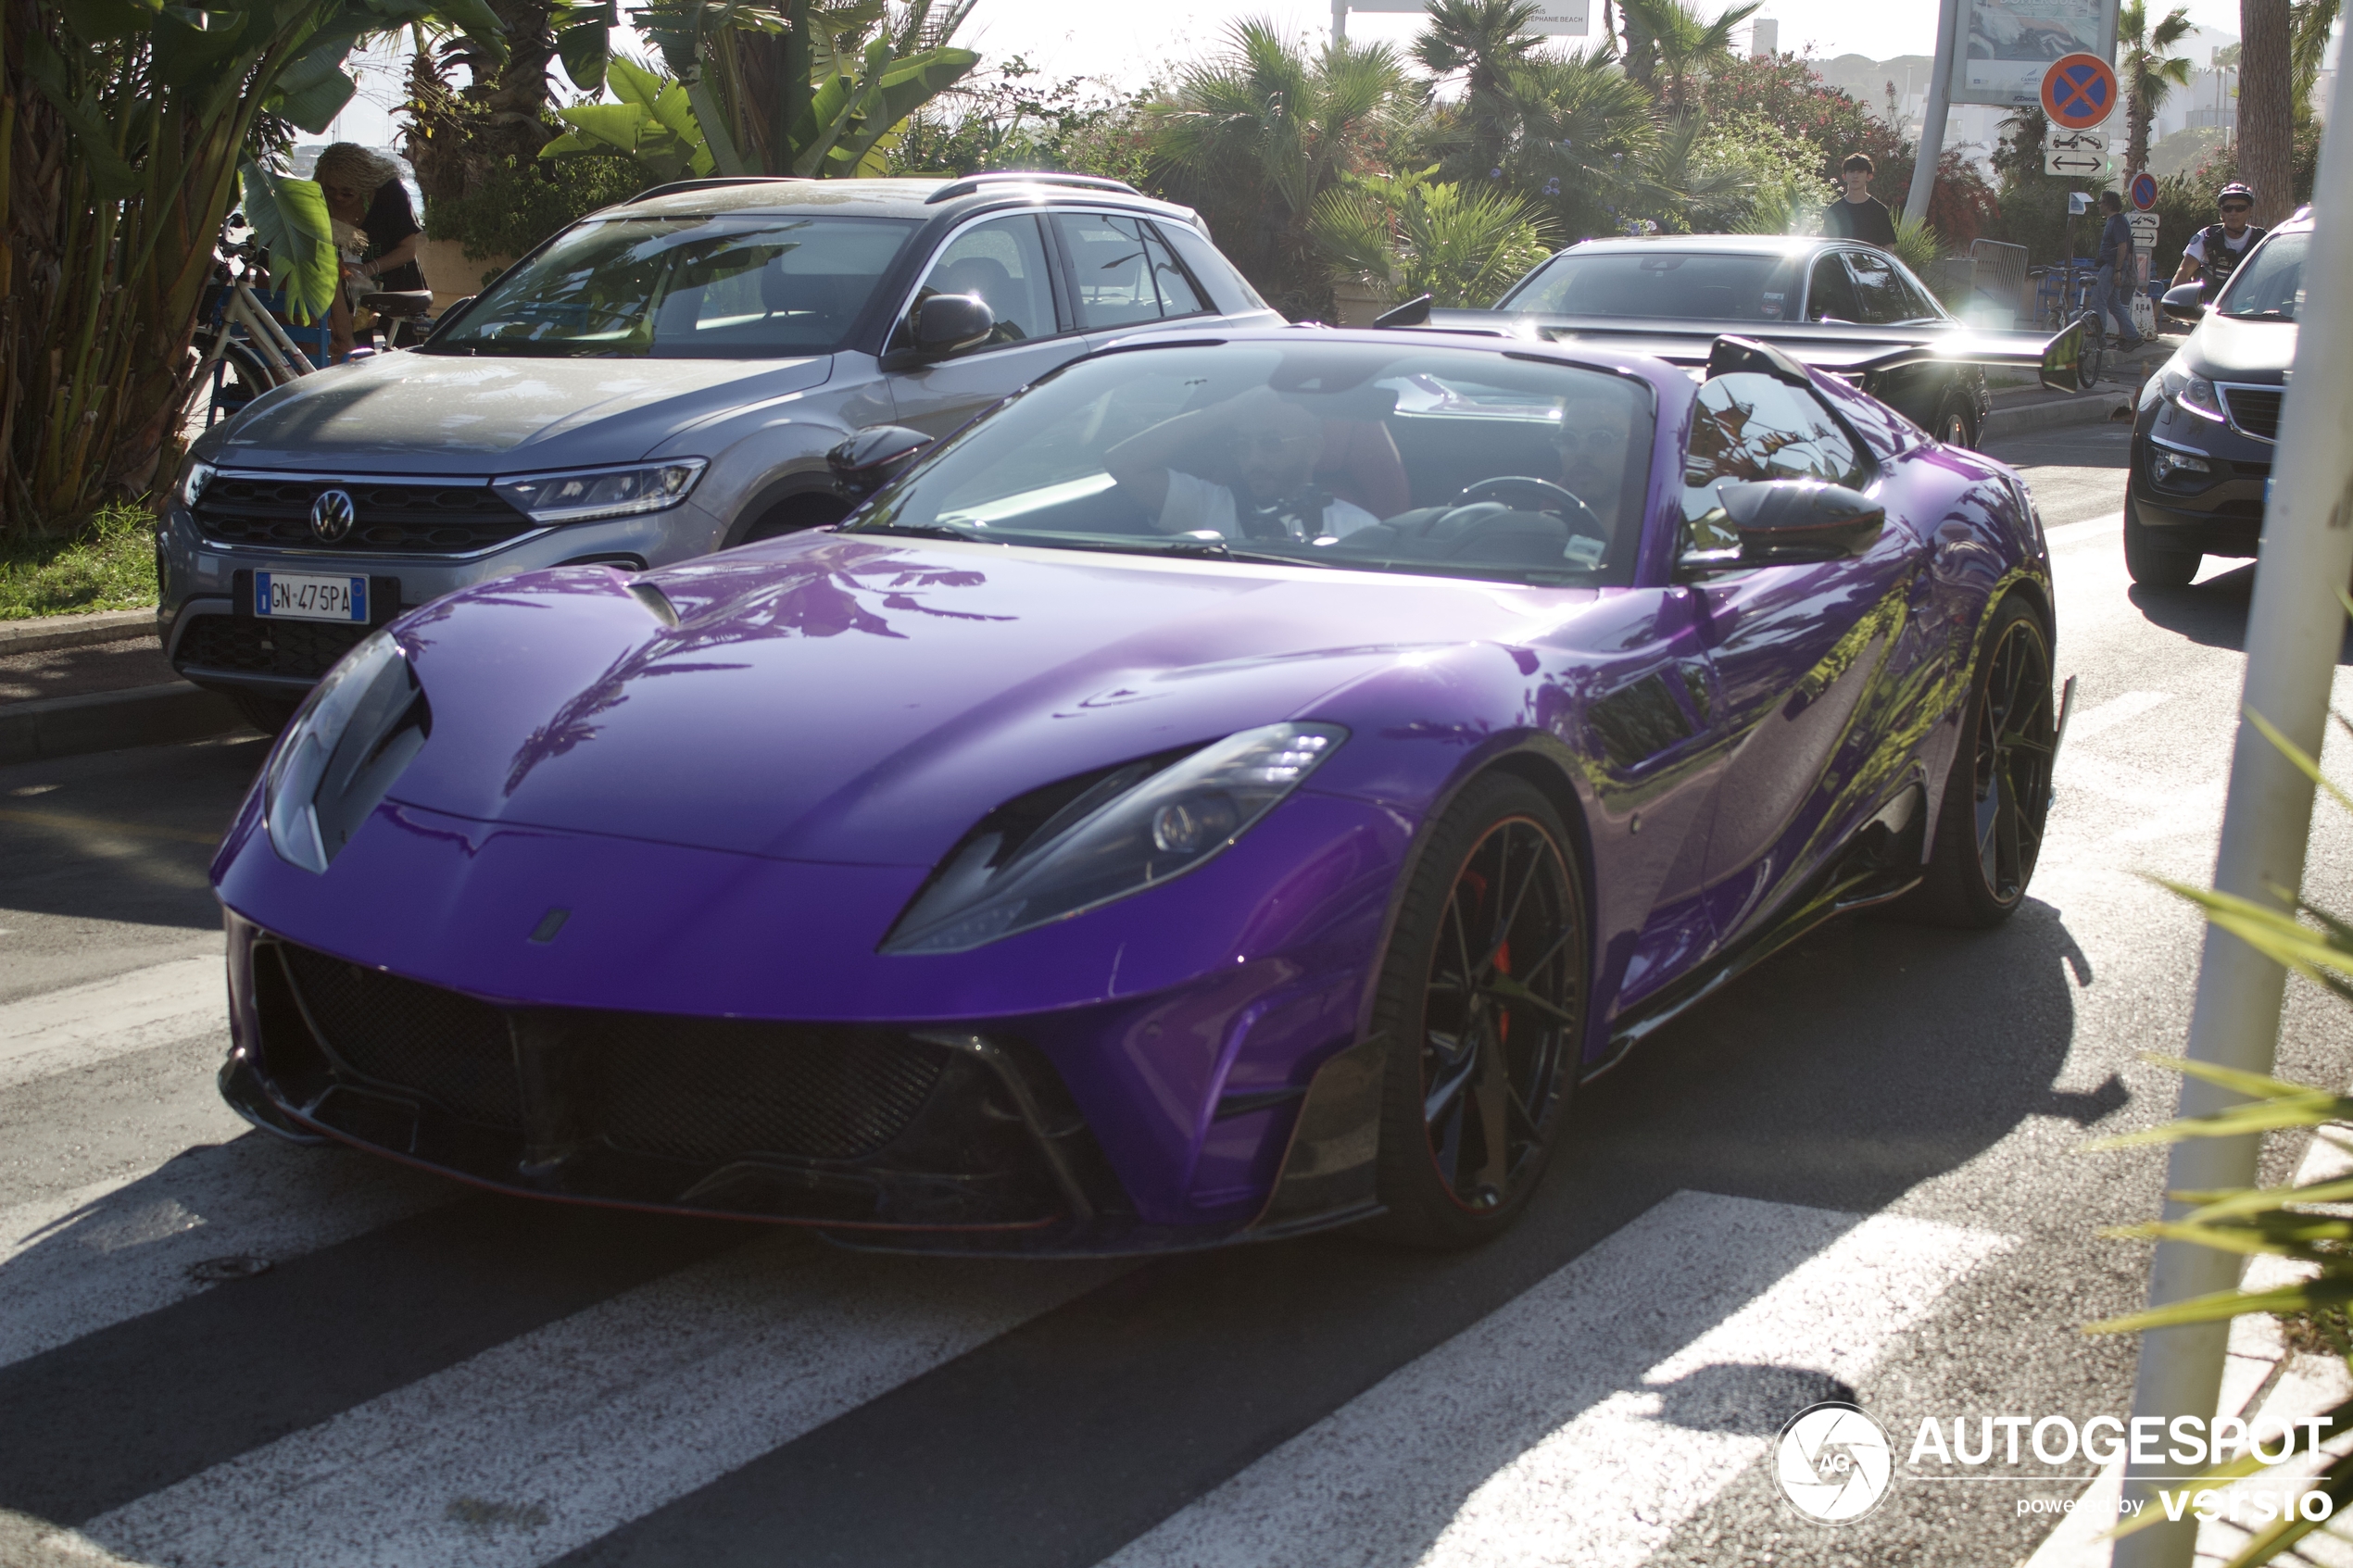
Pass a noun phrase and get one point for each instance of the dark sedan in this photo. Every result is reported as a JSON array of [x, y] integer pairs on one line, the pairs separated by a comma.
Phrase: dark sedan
[[2202, 436], [1756, 284]]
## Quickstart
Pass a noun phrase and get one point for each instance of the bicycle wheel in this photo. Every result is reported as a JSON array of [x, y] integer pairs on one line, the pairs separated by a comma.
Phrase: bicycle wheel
[[236, 379], [2095, 354]]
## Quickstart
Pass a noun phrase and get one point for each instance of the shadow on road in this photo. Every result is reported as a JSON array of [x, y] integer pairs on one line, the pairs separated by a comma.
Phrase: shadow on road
[[2213, 612]]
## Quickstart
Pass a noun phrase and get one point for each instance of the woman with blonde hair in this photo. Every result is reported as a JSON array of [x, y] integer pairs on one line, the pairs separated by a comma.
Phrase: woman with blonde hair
[[369, 204]]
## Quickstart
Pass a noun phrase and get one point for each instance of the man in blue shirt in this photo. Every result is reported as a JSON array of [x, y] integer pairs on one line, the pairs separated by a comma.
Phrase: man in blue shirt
[[2114, 287]]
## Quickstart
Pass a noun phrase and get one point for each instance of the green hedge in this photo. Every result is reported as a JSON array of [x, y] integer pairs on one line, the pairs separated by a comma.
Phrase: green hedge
[[511, 209]]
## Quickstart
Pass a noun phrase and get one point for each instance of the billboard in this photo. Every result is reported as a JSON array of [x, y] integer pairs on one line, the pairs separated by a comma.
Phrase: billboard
[[2006, 45], [1556, 18]]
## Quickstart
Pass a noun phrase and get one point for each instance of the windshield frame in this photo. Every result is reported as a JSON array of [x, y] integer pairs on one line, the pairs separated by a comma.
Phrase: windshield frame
[[878, 515], [854, 331], [2242, 276]]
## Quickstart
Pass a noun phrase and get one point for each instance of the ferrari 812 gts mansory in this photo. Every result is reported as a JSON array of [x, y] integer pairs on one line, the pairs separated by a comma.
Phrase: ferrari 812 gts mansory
[[1242, 785]]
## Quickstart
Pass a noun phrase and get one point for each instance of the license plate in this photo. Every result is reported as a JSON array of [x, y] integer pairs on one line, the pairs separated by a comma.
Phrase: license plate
[[285, 596]]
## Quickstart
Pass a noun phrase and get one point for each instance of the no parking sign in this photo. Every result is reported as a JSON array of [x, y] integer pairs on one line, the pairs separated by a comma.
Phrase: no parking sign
[[2144, 192], [2079, 92]]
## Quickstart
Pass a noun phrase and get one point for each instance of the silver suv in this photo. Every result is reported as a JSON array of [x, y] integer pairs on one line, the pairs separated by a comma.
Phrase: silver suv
[[662, 380]]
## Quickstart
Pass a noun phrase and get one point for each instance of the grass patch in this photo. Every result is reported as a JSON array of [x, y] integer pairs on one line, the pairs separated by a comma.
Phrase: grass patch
[[109, 565], [2318, 1330]]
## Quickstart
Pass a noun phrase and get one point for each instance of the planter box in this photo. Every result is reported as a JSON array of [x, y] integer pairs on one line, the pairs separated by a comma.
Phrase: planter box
[[1356, 305], [450, 275]]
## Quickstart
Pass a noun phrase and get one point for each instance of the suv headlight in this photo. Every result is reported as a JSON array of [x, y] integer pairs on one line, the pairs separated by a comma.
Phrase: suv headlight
[[358, 729], [1060, 851], [594, 493], [2188, 390], [193, 481]]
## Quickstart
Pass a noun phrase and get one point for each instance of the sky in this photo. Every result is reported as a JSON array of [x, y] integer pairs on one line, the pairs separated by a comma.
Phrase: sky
[[1126, 44]]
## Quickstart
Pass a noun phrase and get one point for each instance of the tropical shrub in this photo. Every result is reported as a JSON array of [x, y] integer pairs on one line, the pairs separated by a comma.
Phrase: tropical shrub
[[1402, 237], [518, 202]]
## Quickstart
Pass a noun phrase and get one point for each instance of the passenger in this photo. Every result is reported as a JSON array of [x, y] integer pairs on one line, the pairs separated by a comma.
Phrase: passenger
[[363, 189], [1592, 439], [1273, 496]]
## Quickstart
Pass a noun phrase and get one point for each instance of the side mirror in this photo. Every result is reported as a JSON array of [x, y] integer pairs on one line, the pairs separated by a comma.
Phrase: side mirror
[[2186, 302], [873, 456], [2062, 366], [946, 322], [1785, 521]]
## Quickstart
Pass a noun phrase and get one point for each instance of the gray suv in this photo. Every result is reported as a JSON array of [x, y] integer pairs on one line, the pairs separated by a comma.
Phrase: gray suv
[[662, 380]]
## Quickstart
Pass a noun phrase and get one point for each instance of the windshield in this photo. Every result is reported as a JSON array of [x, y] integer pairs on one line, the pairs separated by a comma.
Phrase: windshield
[[735, 287], [1391, 458], [1673, 285], [2268, 286]]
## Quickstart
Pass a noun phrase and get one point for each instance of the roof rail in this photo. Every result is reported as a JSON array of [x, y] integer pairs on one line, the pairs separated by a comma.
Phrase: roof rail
[[718, 183], [972, 182]]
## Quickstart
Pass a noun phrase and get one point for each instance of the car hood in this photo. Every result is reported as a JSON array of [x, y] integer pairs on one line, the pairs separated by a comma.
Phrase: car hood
[[864, 700], [2223, 349], [440, 413]]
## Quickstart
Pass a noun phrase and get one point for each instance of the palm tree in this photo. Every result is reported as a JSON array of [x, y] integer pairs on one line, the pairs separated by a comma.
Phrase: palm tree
[[1577, 122], [2150, 69], [1479, 40], [1405, 237], [1253, 136], [1682, 44]]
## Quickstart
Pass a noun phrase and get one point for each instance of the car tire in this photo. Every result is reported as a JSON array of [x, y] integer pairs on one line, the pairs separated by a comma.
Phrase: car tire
[[1478, 1084], [267, 714], [1998, 792], [796, 516], [1956, 422], [2152, 565]]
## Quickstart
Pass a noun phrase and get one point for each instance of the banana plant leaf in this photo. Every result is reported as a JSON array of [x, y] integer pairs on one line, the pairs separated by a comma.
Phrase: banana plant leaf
[[290, 218], [584, 42]]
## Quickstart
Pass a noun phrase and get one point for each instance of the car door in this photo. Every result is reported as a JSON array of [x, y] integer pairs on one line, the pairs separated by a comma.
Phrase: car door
[[1006, 262], [1122, 275], [1829, 291], [1798, 650]]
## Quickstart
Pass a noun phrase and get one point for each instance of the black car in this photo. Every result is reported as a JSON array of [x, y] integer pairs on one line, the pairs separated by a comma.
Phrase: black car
[[2202, 440], [1769, 286]]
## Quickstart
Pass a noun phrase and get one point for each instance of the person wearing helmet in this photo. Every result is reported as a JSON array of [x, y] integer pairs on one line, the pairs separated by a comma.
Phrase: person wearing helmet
[[2218, 248]]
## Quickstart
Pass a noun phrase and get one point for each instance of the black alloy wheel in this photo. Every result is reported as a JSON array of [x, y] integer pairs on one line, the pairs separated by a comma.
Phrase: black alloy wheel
[[1483, 1000], [1954, 426], [1997, 794]]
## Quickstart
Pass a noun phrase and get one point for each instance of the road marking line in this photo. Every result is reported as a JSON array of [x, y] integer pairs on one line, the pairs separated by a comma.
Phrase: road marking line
[[64, 1029], [548, 1442], [2109, 525], [2120, 710], [110, 1251], [1586, 1420], [65, 823]]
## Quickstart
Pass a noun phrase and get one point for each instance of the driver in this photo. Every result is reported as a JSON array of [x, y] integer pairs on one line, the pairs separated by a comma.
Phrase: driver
[[1275, 445], [1593, 432]]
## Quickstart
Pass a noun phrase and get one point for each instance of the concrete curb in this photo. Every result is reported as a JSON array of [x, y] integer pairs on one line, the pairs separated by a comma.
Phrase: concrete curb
[[2082, 409], [74, 631], [69, 726]]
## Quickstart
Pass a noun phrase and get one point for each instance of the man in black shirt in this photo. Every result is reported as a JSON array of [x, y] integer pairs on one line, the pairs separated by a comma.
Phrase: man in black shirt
[[2113, 289], [1858, 214]]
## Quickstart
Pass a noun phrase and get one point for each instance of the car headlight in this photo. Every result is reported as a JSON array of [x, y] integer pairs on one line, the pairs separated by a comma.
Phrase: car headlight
[[594, 493], [2170, 468], [192, 482], [2188, 390], [1064, 850], [358, 729]]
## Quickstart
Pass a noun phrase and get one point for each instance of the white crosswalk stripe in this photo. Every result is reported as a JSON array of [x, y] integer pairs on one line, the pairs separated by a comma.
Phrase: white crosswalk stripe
[[80, 1025], [558, 1438], [1581, 1423]]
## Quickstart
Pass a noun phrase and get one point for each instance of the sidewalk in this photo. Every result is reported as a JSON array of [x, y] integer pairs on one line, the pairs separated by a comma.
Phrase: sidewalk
[[2267, 1386], [74, 683]]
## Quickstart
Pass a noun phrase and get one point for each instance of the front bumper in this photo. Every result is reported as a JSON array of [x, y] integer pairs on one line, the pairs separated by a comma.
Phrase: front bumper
[[2219, 513], [203, 607]]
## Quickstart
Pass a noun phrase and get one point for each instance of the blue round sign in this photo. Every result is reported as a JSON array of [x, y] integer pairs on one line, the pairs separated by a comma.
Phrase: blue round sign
[[2143, 191]]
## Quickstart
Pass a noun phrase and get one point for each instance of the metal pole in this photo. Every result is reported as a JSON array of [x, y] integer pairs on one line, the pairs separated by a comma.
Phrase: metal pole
[[1940, 105], [2293, 630], [1339, 21]]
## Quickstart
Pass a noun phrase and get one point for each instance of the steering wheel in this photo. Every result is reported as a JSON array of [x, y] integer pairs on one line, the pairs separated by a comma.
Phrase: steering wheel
[[1546, 497]]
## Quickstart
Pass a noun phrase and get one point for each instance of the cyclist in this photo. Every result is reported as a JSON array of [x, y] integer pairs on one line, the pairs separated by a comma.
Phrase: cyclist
[[2115, 258], [2218, 248]]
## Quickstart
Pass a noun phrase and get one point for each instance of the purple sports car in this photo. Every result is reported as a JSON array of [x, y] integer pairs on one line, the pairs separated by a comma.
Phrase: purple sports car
[[1238, 786]]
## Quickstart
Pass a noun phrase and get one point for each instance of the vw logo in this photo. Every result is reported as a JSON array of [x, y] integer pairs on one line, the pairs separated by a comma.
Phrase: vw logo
[[332, 516]]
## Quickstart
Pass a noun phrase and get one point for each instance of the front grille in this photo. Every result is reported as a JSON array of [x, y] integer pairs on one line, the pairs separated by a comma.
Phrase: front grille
[[2255, 409], [710, 1090], [451, 1049], [265, 647], [417, 520], [707, 1090]]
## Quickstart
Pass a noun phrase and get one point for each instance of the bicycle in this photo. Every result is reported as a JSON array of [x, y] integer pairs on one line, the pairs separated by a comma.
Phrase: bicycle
[[2068, 296]]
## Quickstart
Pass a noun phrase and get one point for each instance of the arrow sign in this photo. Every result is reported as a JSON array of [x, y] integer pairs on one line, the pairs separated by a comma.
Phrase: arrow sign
[[2075, 163], [2079, 91]]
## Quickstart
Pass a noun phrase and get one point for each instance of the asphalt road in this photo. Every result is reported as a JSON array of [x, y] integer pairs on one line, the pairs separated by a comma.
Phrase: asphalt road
[[1862, 1168]]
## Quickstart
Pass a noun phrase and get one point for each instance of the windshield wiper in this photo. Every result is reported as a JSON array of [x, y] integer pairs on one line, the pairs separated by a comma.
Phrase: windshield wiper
[[2274, 315], [929, 531]]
